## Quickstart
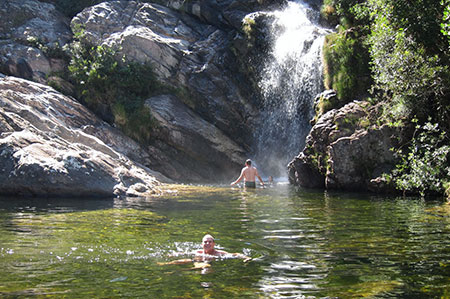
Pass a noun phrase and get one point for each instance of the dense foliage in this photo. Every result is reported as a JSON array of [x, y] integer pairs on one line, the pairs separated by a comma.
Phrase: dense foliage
[[346, 61], [425, 162], [115, 91], [407, 42], [346, 56]]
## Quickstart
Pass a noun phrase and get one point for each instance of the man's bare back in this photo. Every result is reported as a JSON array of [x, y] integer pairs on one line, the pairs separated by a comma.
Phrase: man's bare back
[[249, 174]]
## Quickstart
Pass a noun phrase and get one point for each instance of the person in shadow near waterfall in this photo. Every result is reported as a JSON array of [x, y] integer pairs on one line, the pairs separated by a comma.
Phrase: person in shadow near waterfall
[[249, 173]]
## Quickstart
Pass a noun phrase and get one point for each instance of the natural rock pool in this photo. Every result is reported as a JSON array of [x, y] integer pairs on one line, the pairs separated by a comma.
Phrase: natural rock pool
[[311, 244]]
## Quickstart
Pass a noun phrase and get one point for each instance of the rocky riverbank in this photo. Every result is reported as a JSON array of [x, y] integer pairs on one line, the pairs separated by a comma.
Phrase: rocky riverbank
[[51, 145], [202, 135]]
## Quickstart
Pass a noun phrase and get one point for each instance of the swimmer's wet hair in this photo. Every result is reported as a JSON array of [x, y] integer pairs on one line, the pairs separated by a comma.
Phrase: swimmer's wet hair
[[207, 236]]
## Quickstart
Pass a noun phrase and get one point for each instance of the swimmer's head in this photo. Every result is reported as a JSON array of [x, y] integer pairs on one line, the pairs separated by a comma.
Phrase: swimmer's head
[[208, 243]]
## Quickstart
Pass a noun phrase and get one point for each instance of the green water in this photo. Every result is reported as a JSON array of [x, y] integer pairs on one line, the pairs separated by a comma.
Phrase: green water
[[304, 244]]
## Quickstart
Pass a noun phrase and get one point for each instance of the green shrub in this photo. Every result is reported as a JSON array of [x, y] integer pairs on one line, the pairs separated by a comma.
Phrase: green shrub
[[403, 70], [445, 25], [422, 20], [346, 65], [425, 167], [114, 91], [408, 65], [339, 11], [54, 50], [408, 51]]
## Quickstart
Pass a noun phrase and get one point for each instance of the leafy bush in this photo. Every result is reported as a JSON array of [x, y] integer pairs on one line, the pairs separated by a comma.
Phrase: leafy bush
[[445, 25], [50, 50], [403, 70], [422, 20], [425, 166], [115, 91], [408, 65], [346, 62], [346, 56]]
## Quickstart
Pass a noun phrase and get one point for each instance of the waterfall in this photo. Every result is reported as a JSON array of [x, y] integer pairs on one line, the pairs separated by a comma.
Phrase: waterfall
[[291, 78]]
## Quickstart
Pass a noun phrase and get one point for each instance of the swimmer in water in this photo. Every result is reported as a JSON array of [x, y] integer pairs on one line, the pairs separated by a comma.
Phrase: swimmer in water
[[208, 253], [208, 244], [249, 174]]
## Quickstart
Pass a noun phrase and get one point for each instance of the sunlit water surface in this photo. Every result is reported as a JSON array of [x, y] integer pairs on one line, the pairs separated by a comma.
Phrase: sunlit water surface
[[304, 244]]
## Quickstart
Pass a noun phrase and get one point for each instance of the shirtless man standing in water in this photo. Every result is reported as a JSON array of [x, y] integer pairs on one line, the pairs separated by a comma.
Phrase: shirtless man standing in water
[[249, 174]]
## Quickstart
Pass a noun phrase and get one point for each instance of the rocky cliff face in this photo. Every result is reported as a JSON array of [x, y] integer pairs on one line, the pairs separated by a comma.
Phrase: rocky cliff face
[[185, 53], [188, 55]]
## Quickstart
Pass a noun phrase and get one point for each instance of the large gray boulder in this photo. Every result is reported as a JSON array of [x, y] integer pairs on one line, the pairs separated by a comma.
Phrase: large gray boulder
[[342, 154], [50, 145], [223, 13]]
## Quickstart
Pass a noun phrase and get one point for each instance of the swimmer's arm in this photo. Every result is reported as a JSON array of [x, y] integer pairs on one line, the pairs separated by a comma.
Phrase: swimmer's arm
[[177, 262], [242, 256], [259, 178], [239, 178]]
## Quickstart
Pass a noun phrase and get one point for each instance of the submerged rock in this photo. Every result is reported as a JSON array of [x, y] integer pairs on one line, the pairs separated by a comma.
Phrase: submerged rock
[[50, 145]]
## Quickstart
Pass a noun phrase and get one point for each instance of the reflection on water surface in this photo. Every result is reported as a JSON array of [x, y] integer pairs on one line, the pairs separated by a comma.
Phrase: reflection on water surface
[[303, 244]]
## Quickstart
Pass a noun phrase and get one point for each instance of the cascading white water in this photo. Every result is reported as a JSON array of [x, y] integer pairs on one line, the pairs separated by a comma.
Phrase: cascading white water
[[292, 77]]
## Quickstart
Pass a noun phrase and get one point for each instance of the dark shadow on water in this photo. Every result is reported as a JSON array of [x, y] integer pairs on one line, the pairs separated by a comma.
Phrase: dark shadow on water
[[13, 204]]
